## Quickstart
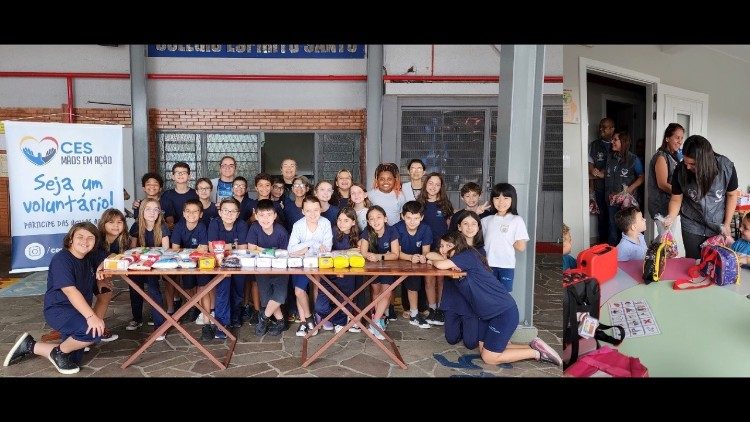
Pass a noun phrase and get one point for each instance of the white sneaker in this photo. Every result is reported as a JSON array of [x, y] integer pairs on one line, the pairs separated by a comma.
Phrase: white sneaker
[[161, 337], [202, 320], [337, 328], [133, 325], [376, 333]]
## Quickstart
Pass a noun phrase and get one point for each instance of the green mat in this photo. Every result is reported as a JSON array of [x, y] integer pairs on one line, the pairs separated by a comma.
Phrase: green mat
[[704, 332]]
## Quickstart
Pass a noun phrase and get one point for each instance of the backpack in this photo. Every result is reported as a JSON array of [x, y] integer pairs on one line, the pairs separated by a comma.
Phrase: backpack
[[719, 264], [582, 294], [655, 260]]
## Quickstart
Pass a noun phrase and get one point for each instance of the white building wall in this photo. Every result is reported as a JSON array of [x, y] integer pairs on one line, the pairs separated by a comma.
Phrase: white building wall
[[726, 80]]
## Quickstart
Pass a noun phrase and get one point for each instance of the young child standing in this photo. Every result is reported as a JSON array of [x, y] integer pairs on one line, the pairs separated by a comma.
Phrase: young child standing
[[229, 292], [152, 184], [493, 304], [360, 203], [437, 213], [247, 204], [172, 200], [272, 287], [344, 180], [504, 234], [313, 234], [379, 242], [470, 194], [204, 188], [631, 223], [387, 191], [189, 232], [150, 231], [345, 237], [113, 230], [415, 240]]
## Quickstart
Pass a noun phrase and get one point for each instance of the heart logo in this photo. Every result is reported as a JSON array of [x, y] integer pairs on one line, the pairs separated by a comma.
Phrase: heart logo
[[39, 152]]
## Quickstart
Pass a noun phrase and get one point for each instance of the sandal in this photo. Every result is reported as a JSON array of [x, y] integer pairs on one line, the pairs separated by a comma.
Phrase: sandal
[[691, 284]]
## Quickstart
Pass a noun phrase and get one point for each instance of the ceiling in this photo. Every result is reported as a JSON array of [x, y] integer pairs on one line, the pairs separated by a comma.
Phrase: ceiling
[[739, 52]]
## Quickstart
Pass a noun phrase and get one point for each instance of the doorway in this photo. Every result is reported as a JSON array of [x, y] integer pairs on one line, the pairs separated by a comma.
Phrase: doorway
[[278, 146]]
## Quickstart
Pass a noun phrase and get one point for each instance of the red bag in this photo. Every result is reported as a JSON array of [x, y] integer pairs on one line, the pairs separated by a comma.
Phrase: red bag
[[599, 262], [607, 362]]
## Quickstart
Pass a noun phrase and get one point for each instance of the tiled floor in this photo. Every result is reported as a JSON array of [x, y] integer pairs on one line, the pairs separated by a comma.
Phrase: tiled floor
[[353, 356]]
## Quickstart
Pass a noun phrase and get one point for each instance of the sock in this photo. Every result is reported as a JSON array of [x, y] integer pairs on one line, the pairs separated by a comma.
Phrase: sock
[[413, 312], [433, 306], [538, 354]]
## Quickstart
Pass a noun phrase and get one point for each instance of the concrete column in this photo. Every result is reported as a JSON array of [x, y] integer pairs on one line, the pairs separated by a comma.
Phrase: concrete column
[[374, 110], [518, 159], [139, 113]]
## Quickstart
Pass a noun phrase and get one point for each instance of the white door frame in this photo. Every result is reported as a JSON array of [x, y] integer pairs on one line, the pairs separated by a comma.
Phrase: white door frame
[[615, 72]]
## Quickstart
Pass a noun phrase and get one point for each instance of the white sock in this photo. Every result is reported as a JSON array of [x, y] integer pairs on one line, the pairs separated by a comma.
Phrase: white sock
[[413, 312], [433, 306]]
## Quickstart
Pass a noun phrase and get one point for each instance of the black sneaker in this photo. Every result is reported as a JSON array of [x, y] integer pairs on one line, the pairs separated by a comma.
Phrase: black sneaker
[[22, 349], [62, 362], [432, 318], [439, 317], [247, 311], [391, 313], [207, 333], [262, 326], [419, 321], [276, 328], [235, 325], [254, 317]]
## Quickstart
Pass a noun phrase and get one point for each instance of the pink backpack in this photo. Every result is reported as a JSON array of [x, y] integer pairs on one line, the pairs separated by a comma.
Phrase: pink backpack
[[608, 362]]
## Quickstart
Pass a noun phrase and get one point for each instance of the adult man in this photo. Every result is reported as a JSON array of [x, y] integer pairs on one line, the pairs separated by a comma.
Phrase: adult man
[[223, 183], [599, 151]]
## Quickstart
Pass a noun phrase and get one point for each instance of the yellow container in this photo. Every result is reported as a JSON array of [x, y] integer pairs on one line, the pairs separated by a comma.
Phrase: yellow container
[[356, 261], [341, 261], [325, 262], [207, 263]]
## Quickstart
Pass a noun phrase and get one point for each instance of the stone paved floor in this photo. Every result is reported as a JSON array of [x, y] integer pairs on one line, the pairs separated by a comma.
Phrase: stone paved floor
[[353, 356]]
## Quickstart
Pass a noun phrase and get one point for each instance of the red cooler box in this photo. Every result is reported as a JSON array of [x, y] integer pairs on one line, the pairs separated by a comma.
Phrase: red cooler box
[[598, 261]]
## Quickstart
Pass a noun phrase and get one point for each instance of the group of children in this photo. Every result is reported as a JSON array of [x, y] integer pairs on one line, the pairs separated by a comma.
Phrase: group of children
[[482, 241]]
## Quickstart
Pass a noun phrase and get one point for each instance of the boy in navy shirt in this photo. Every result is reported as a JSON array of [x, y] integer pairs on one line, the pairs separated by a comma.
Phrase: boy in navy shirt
[[415, 239], [273, 287], [470, 194], [172, 200], [190, 233]]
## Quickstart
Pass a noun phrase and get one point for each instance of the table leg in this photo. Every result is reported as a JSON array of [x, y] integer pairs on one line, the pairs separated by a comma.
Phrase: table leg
[[173, 320], [395, 355]]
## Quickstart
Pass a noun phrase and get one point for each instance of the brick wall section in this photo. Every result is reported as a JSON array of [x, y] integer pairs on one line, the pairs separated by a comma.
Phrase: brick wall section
[[190, 119], [258, 119]]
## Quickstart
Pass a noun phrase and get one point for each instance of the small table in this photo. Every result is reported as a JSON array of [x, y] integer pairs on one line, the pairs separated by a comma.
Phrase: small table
[[401, 269]]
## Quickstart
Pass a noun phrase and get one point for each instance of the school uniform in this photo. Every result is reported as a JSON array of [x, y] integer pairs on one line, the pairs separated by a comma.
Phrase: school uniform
[[270, 286], [292, 213], [345, 284], [231, 290], [172, 202], [209, 213], [489, 299], [500, 233], [331, 214], [382, 245], [461, 322], [437, 221], [186, 238], [66, 270], [151, 282], [412, 244], [453, 225]]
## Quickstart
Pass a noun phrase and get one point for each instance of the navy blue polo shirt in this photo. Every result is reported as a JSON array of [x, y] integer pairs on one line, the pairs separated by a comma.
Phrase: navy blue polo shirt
[[172, 202], [413, 244], [209, 213], [237, 234], [279, 237], [149, 235], [436, 221], [66, 270], [384, 242], [187, 238], [487, 296]]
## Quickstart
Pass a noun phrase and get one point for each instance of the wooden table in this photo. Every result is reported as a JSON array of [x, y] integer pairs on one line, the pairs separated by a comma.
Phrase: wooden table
[[320, 277]]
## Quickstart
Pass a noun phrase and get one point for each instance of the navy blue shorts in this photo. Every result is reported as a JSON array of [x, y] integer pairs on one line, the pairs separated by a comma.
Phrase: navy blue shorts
[[505, 275], [70, 323], [498, 330], [413, 283], [385, 279], [300, 281], [272, 287]]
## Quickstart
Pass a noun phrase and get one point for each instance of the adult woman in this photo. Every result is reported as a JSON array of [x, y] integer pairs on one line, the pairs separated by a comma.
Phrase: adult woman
[[413, 187], [704, 193], [71, 281], [623, 168], [659, 184]]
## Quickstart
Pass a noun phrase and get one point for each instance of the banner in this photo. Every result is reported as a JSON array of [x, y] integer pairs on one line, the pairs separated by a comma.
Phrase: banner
[[260, 51], [59, 174]]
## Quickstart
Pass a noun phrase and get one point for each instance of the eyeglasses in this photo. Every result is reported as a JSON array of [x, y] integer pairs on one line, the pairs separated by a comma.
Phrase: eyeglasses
[[229, 211], [298, 185]]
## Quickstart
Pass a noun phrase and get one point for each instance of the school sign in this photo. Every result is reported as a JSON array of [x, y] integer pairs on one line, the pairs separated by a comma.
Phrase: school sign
[[59, 174]]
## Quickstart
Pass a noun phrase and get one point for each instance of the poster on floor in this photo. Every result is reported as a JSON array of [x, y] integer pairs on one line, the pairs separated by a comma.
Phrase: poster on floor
[[58, 174], [635, 316]]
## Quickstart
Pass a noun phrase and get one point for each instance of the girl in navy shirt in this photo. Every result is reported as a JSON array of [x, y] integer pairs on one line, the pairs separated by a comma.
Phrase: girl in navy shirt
[[491, 302], [67, 304], [344, 180], [379, 242], [150, 231], [345, 237], [461, 323], [437, 214], [204, 187], [324, 190]]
